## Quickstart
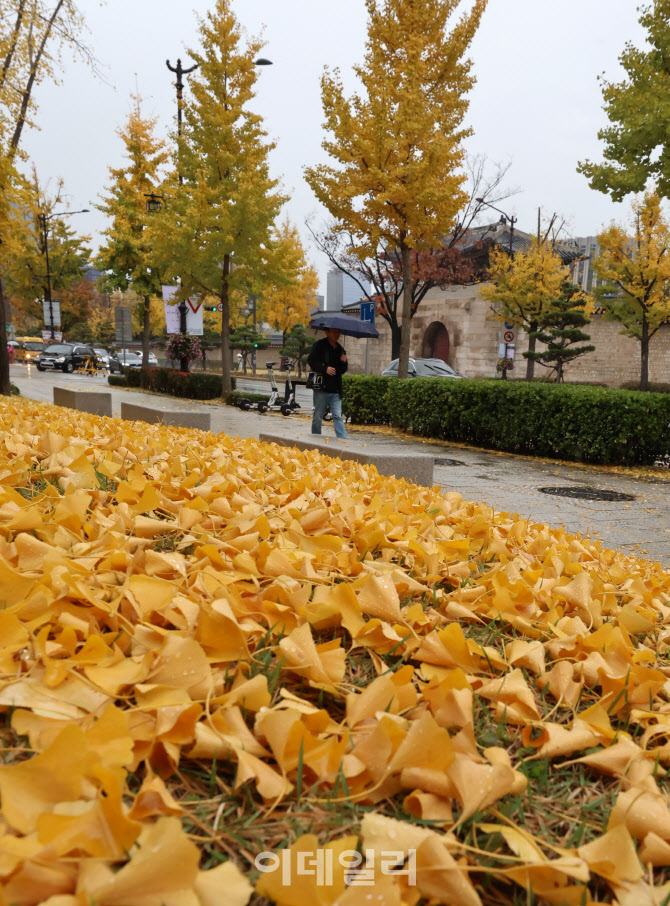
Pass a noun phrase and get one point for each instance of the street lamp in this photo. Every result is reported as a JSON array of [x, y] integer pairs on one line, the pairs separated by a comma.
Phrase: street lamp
[[43, 218], [154, 203], [512, 220]]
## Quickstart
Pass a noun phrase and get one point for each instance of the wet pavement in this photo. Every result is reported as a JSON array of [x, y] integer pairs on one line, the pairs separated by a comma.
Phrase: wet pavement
[[640, 525]]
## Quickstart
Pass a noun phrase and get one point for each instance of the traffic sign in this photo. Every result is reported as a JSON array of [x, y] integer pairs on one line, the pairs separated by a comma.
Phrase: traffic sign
[[508, 336], [509, 326], [368, 312]]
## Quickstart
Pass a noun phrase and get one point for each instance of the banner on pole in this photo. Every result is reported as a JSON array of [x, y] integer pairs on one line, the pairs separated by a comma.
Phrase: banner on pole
[[194, 325]]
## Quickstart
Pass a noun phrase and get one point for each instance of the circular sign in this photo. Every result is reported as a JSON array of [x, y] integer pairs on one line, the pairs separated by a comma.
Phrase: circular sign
[[219, 307], [508, 336]]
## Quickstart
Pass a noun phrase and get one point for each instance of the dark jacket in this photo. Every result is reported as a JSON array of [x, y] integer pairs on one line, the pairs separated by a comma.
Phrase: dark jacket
[[323, 356]]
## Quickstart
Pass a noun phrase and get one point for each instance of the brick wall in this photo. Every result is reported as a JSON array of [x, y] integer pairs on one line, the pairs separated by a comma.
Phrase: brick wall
[[474, 337]]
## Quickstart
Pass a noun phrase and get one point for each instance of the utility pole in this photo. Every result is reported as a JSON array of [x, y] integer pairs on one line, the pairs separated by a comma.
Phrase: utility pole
[[43, 218]]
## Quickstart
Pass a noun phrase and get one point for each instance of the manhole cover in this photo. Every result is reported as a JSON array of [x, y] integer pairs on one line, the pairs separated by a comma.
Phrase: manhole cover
[[587, 493], [449, 462]]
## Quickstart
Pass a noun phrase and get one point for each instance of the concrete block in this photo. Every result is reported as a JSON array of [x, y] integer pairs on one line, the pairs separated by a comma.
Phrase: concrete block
[[93, 401], [133, 412], [390, 459]]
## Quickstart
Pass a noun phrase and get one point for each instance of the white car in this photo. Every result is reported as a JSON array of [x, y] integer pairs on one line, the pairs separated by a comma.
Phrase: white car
[[423, 368], [152, 358], [103, 355]]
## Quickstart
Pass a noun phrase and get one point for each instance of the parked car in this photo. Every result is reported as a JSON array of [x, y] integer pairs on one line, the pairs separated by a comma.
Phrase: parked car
[[423, 368], [120, 361], [103, 355], [152, 358], [64, 356]]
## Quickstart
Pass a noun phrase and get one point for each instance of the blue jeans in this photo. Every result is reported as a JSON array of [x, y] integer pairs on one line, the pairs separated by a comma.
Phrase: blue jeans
[[322, 400]]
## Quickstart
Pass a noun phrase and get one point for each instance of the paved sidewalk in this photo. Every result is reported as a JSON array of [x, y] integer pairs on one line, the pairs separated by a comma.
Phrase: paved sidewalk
[[503, 481]]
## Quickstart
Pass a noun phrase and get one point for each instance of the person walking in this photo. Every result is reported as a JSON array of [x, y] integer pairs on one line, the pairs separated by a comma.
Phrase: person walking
[[328, 360]]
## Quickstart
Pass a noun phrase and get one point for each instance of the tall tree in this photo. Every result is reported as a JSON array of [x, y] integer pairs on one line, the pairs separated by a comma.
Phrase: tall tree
[[398, 145], [27, 276], [32, 35], [562, 332], [380, 277], [218, 235], [128, 254], [637, 143], [634, 266], [523, 287], [291, 297]]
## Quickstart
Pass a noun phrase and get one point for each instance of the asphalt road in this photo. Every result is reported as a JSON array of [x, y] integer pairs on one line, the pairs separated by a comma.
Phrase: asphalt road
[[640, 525]]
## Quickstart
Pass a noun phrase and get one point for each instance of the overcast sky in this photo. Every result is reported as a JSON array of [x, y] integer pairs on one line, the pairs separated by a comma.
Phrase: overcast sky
[[537, 101]]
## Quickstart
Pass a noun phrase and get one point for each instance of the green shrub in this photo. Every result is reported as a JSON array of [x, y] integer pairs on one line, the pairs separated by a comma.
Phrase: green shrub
[[585, 424], [364, 399], [252, 397], [189, 385], [653, 388], [14, 390]]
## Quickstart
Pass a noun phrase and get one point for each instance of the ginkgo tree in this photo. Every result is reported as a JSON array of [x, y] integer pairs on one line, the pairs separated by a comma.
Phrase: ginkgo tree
[[522, 288], [397, 146], [217, 235], [127, 255], [32, 35], [291, 297], [634, 267], [26, 277]]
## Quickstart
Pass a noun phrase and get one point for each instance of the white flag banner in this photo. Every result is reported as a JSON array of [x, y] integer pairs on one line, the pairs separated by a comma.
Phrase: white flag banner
[[172, 317]]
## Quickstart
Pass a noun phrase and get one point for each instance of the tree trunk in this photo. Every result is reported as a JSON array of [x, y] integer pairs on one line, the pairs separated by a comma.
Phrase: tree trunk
[[406, 320], [145, 343], [226, 378], [5, 386], [395, 341], [26, 93], [532, 342], [644, 355]]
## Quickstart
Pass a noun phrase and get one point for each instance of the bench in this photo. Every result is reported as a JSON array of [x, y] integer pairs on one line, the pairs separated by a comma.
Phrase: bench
[[390, 459], [93, 401], [132, 412]]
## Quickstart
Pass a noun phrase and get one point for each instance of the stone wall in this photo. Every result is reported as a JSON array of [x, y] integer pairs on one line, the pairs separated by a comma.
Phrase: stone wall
[[474, 337]]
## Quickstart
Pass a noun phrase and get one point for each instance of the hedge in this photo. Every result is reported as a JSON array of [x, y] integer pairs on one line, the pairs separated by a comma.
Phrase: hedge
[[193, 386], [584, 424]]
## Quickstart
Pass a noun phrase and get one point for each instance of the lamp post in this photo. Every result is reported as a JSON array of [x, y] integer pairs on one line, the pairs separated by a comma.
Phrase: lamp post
[[512, 220], [43, 219]]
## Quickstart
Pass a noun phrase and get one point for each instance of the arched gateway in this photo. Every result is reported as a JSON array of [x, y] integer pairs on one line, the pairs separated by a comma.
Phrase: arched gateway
[[436, 342]]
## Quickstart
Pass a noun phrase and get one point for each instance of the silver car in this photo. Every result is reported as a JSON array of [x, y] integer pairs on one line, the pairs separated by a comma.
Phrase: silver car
[[423, 368]]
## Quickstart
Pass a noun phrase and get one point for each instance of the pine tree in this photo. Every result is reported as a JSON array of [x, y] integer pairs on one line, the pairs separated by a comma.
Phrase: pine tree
[[522, 288], [297, 346], [128, 255], [218, 232], [562, 331], [247, 339], [398, 144], [634, 267]]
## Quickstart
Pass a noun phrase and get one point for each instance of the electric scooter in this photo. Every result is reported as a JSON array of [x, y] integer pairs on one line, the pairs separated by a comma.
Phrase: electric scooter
[[274, 402]]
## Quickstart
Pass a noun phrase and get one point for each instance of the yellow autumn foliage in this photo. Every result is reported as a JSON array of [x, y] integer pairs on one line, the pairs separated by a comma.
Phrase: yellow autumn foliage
[[308, 633]]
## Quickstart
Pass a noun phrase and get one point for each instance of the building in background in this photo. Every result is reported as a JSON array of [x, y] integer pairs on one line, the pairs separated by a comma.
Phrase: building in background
[[582, 269], [341, 289]]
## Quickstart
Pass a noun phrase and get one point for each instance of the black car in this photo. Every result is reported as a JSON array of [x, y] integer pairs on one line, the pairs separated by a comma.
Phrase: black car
[[64, 356]]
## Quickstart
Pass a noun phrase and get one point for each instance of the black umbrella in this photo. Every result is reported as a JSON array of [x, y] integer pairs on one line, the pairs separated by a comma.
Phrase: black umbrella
[[350, 327]]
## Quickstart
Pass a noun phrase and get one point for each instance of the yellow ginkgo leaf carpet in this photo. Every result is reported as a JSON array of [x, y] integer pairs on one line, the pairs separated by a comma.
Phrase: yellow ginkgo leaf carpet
[[233, 672]]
